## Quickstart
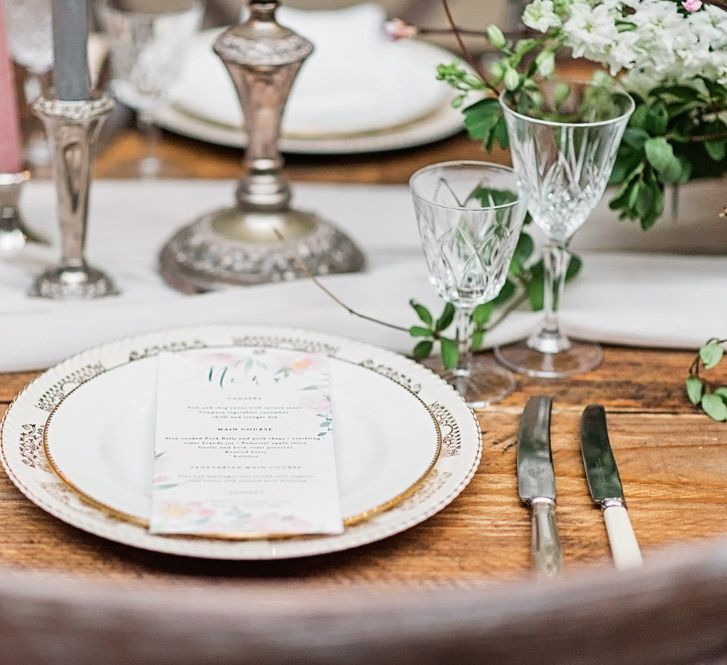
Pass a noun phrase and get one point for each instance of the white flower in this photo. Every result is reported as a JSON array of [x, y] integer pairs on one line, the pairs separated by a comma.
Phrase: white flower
[[539, 15], [590, 31]]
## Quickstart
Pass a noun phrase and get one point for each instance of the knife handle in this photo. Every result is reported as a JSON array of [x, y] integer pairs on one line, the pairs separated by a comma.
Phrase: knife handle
[[621, 537], [546, 551]]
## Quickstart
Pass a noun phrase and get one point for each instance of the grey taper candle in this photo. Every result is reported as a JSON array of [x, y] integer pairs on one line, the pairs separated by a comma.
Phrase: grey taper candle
[[71, 79]]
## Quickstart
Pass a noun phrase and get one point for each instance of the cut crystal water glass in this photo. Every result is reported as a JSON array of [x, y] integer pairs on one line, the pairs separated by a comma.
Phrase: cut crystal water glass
[[469, 217], [564, 137]]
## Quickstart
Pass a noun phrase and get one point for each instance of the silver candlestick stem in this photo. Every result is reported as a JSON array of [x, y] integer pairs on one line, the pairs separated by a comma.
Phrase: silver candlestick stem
[[14, 235], [253, 242], [73, 128]]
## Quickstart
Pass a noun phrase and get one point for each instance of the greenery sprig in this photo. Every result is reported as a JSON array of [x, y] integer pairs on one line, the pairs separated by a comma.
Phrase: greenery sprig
[[676, 133], [710, 396]]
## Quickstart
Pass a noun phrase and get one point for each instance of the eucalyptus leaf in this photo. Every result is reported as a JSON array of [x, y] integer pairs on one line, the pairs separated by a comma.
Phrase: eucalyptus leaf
[[710, 354], [423, 349], [450, 353], [446, 318], [694, 389], [722, 392], [418, 331], [714, 406], [422, 312], [482, 313]]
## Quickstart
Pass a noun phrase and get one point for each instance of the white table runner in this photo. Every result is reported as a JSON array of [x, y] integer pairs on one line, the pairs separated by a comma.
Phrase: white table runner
[[640, 299]]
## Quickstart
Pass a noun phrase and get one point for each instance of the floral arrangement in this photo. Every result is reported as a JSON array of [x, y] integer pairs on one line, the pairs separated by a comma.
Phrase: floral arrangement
[[671, 56]]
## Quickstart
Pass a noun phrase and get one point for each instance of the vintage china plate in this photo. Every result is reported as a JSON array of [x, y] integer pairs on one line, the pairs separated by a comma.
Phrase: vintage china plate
[[91, 383], [441, 124], [386, 439]]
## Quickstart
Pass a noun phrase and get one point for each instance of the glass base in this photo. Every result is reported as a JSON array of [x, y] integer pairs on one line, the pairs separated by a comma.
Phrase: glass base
[[580, 357], [488, 382]]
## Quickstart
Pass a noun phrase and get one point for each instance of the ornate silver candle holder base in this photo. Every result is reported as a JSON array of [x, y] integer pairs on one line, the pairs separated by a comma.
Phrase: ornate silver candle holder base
[[71, 282], [73, 128], [262, 239], [234, 247], [14, 235]]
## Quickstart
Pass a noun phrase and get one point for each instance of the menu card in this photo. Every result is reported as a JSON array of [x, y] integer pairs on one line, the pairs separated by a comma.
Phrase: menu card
[[244, 444]]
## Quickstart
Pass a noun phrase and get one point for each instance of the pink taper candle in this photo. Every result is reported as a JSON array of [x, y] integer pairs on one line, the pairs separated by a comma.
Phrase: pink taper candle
[[11, 150]]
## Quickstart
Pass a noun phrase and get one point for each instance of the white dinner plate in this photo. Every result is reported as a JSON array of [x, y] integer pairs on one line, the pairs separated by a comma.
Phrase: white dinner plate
[[392, 417], [386, 439], [441, 124], [387, 85]]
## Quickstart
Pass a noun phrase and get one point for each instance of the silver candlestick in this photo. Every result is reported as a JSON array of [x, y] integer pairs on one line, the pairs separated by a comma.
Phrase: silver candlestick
[[73, 128], [253, 242], [14, 235]]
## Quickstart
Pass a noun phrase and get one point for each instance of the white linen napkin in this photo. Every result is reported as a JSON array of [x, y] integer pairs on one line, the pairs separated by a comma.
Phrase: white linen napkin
[[629, 298]]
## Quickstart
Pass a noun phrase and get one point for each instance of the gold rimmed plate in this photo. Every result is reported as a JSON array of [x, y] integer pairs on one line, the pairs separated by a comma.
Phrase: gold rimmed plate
[[79, 440]]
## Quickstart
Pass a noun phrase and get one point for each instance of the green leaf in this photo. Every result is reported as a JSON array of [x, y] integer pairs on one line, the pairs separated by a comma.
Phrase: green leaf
[[500, 132], [523, 251], [638, 119], [660, 154], [536, 286], [574, 267], [422, 350], [418, 331], [450, 353], [722, 392], [657, 118], [716, 149], [506, 292], [482, 313], [714, 407], [561, 92], [480, 118], [422, 312], [694, 388], [710, 354], [635, 137], [445, 320], [478, 339]]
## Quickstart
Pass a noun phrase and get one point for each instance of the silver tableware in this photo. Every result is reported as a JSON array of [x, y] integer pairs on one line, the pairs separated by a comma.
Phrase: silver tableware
[[73, 128], [605, 486], [14, 234], [536, 484], [255, 241]]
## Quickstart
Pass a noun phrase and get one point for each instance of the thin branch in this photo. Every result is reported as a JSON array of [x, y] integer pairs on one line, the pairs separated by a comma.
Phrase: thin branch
[[304, 269], [465, 51]]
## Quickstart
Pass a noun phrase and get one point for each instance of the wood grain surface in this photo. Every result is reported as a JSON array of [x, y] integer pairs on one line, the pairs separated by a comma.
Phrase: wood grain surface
[[673, 460], [673, 463]]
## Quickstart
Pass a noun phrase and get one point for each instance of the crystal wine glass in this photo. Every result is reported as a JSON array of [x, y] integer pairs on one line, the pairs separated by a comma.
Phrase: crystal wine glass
[[469, 216], [563, 138], [30, 41], [147, 40]]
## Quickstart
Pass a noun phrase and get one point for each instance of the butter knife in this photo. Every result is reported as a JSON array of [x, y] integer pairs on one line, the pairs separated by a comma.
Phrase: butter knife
[[536, 484], [604, 483]]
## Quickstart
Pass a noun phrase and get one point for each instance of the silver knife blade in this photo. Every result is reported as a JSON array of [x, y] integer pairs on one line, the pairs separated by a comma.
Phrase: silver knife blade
[[535, 475], [601, 470]]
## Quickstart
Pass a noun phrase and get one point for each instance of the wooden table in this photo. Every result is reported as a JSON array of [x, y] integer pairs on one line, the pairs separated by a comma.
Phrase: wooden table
[[673, 460]]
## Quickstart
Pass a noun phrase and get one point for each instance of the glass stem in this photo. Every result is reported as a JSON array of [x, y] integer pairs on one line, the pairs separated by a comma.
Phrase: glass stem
[[550, 339], [463, 326], [150, 165]]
